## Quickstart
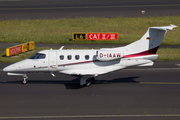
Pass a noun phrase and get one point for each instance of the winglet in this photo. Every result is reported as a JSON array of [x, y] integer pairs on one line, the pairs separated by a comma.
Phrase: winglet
[[166, 28], [173, 26]]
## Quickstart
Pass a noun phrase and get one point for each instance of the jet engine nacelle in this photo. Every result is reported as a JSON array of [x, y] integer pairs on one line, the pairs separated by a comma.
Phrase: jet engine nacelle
[[107, 55]]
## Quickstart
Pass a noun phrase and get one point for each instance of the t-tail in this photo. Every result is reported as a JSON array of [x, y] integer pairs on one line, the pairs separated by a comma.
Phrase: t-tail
[[148, 44]]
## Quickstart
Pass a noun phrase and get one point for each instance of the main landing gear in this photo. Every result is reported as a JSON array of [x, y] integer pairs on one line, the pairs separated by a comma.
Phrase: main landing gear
[[25, 79], [89, 81], [86, 80]]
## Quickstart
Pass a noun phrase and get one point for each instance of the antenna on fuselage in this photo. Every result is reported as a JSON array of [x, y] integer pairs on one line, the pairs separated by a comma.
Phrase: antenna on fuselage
[[61, 48]]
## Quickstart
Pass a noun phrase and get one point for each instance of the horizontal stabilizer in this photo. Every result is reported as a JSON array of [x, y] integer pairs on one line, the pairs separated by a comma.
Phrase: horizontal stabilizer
[[165, 27], [149, 42]]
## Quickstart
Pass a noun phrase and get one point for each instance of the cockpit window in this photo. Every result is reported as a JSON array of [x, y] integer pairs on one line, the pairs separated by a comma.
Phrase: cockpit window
[[38, 56]]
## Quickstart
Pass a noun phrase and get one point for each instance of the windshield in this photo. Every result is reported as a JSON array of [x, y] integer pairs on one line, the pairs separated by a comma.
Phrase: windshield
[[38, 56]]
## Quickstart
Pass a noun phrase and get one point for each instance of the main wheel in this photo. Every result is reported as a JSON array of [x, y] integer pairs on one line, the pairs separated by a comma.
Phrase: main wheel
[[92, 80], [89, 81]]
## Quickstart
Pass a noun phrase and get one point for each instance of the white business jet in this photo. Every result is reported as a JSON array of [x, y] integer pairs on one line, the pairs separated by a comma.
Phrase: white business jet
[[90, 63]]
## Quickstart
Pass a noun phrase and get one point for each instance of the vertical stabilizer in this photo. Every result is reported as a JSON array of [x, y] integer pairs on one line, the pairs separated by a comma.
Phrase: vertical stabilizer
[[150, 41]]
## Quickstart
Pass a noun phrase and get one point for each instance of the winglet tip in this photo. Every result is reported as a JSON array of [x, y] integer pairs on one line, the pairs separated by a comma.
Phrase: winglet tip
[[174, 26]]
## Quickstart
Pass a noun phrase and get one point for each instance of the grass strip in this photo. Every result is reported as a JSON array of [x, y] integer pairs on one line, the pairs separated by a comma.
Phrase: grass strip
[[165, 54], [168, 54], [59, 31]]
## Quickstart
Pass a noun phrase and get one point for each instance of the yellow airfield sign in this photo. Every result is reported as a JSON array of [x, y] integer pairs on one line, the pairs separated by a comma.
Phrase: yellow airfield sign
[[20, 48]]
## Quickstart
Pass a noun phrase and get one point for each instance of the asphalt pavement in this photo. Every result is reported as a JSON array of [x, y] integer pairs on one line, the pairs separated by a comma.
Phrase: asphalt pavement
[[133, 93], [53, 9]]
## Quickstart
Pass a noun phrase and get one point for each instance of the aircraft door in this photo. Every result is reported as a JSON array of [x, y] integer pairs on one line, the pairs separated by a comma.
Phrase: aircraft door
[[52, 60]]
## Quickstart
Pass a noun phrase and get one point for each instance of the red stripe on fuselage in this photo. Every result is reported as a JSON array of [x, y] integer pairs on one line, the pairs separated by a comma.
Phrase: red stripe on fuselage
[[148, 52], [78, 63]]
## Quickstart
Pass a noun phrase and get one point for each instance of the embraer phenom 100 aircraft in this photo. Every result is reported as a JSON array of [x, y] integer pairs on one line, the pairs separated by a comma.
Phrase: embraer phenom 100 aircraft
[[90, 63]]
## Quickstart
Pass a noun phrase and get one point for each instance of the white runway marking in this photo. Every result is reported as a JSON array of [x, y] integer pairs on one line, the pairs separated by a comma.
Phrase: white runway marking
[[128, 6], [145, 69], [178, 64], [154, 69], [167, 83], [91, 116]]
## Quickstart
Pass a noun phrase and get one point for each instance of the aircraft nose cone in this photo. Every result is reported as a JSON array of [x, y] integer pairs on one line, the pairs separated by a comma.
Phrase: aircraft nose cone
[[9, 68], [6, 69]]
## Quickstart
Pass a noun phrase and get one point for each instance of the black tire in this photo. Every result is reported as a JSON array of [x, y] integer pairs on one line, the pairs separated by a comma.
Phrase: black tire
[[92, 80], [24, 82], [89, 81]]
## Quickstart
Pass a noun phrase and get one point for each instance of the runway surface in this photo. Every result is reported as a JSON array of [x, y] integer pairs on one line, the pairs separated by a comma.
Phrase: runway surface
[[49, 9], [134, 93]]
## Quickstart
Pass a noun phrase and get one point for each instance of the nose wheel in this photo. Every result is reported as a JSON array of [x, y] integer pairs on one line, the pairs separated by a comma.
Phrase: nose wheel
[[25, 79]]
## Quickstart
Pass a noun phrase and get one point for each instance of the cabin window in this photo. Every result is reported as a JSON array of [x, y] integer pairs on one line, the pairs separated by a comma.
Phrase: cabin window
[[77, 57], [61, 57], [38, 56], [69, 57], [86, 57]]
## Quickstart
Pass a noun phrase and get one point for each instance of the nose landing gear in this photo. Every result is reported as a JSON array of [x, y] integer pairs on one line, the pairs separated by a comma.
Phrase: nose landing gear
[[20, 74], [25, 79]]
